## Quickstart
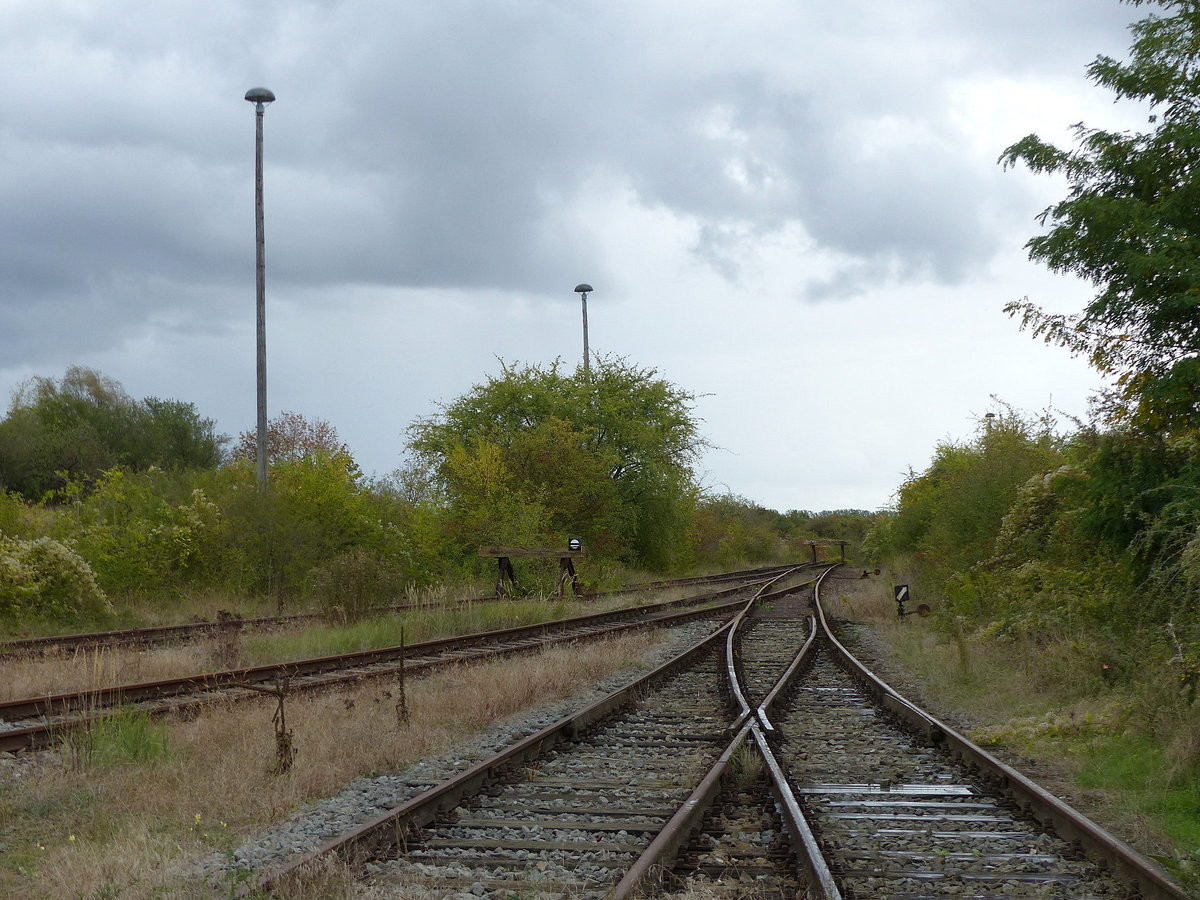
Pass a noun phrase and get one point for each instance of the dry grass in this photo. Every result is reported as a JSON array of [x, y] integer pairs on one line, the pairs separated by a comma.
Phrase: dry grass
[[89, 669], [122, 830], [994, 681]]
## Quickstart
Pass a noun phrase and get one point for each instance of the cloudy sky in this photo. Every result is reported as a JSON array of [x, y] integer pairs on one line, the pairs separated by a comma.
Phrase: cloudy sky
[[790, 207]]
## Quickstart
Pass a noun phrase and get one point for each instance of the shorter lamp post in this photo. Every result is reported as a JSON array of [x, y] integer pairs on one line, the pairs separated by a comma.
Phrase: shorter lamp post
[[583, 290]]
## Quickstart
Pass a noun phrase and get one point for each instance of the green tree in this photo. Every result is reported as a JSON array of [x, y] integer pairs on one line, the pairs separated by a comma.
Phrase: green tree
[[951, 513], [540, 454], [85, 423], [172, 434], [1128, 224]]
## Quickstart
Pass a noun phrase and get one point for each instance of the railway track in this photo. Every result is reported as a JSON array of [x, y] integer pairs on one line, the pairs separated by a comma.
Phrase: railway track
[[37, 722], [763, 763], [880, 800], [157, 635], [567, 810], [899, 818]]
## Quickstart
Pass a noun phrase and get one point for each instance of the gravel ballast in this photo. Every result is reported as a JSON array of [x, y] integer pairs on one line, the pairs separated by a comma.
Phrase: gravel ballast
[[365, 798]]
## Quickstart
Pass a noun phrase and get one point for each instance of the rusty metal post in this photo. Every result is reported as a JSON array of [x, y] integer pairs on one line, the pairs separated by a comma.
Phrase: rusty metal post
[[402, 701], [566, 575]]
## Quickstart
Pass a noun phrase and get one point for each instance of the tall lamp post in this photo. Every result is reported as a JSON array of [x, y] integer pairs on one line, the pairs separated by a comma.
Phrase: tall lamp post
[[583, 290], [260, 97]]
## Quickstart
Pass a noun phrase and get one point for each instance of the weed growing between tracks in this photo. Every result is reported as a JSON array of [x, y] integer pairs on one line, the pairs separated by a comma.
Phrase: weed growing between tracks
[[124, 828], [1048, 699], [127, 737]]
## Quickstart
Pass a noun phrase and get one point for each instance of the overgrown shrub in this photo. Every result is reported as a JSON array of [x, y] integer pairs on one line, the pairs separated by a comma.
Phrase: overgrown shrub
[[46, 579], [144, 532], [13, 515]]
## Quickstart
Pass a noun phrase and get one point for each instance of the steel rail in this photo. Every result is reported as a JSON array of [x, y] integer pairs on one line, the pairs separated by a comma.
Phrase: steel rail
[[1126, 863], [751, 723], [159, 634], [813, 865], [735, 683], [51, 704], [665, 846], [391, 826]]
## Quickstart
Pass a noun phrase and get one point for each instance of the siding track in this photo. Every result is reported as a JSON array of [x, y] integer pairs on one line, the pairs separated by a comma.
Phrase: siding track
[[37, 722], [153, 636]]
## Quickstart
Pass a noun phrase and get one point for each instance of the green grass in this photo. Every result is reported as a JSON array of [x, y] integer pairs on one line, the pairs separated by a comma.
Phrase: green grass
[[1134, 767], [126, 737]]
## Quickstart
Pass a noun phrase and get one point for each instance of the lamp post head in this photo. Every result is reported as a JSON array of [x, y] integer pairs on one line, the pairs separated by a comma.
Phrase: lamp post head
[[260, 96], [583, 288]]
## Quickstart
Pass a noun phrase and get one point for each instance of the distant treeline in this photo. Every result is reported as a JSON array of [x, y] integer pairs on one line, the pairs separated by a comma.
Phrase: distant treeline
[[104, 498]]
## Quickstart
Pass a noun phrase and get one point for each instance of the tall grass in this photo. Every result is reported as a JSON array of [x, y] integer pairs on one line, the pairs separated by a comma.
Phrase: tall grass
[[424, 624], [129, 737]]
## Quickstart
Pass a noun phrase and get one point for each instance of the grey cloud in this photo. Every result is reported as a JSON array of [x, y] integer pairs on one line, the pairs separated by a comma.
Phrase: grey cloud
[[430, 144]]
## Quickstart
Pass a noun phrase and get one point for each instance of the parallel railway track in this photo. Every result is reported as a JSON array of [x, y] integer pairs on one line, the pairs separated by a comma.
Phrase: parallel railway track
[[764, 763], [153, 636], [36, 722]]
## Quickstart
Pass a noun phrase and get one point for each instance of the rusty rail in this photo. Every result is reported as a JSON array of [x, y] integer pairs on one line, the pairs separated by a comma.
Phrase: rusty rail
[[160, 634], [391, 826]]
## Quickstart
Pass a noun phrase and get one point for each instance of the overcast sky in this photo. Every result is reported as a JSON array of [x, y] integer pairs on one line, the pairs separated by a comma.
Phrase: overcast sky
[[790, 207]]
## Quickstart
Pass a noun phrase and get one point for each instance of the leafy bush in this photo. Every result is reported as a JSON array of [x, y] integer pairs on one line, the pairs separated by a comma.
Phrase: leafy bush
[[144, 532], [315, 508], [13, 515], [951, 515], [46, 579], [539, 455]]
